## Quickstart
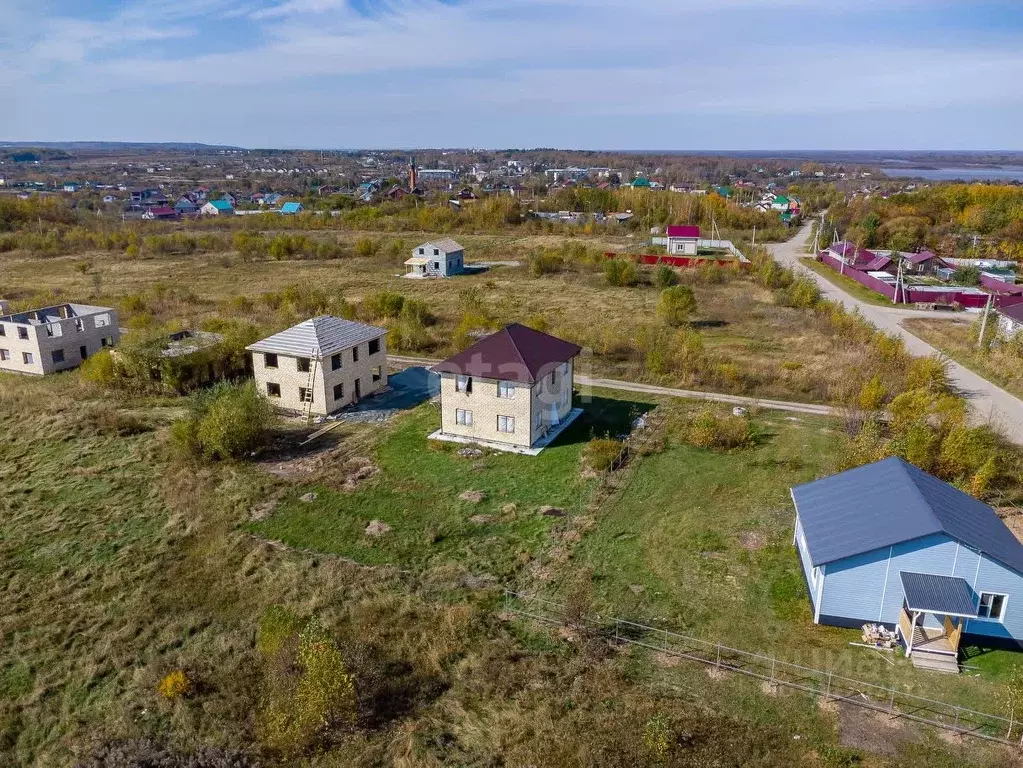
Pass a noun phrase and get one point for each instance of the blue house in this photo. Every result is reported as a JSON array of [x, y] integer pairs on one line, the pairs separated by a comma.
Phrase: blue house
[[290, 209], [888, 543]]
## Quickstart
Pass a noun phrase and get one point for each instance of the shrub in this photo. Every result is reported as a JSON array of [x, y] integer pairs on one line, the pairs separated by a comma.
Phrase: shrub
[[676, 305], [872, 394], [665, 277], [621, 273], [307, 690], [226, 422], [384, 304], [365, 246], [175, 685], [546, 262], [601, 452], [672, 352], [100, 369], [719, 433]]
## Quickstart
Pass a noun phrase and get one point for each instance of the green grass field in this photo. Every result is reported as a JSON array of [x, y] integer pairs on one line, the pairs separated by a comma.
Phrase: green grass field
[[700, 543], [417, 490]]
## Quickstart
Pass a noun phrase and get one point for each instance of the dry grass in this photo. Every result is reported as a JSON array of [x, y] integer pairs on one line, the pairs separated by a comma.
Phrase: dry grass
[[753, 345], [957, 338]]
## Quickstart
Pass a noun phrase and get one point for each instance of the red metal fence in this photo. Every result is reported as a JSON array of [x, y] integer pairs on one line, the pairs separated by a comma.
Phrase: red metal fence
[[675, 261]]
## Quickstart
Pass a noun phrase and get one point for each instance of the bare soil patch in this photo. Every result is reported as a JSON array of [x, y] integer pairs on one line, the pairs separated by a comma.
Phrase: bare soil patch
[[876, 732]]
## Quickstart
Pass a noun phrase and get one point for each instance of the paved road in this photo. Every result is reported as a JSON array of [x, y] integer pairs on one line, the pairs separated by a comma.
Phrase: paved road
[[632, 386], [990, 403]]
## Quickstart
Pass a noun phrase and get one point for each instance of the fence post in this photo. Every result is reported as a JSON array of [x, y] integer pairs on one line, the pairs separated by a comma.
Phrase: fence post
[[774, 662], [718, 662], [665, 639], [891, 702], [955, 725], [616, 631], [827, 692]]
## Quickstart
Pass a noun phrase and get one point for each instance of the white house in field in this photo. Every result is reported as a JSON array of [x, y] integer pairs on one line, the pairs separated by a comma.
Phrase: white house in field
[[442, 258]]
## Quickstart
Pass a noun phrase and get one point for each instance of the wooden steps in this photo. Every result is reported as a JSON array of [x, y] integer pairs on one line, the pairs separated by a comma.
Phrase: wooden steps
[[935, 662]]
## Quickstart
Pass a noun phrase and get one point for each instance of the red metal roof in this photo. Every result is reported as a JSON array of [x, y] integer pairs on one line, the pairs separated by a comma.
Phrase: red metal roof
[[162, 210], [515, 353], [684, 231]]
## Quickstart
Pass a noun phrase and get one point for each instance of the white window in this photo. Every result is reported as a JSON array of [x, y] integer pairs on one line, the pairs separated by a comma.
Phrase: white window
[[505, 389], [506, 424], [463, 384], [5, 354], [463, 417], [102, 321], [26, 358], [22, 333], [53, 329], [79, 325], [992, 605]]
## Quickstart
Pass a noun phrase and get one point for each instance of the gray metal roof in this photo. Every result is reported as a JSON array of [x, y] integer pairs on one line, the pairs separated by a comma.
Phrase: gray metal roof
[[889, 502], [318, 337], [929, 593], [447, 245]]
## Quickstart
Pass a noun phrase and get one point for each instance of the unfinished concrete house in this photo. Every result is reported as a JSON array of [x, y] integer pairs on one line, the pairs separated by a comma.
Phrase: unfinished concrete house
[[321, 365], [55, 338]]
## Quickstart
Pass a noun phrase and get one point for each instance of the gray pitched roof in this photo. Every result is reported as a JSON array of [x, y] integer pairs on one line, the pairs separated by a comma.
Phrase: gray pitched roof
[[889, 502], [930, 593], [318, 337], [447, 245]]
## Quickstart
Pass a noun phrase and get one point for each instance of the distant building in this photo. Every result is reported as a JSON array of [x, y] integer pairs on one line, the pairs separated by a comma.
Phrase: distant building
[[683, 240], [184, 205], [56, 338], [442, 258], [217, 208], [1010, 321], [290, 209], [510, 391], [160, 212], [71, 186], [321, 365]]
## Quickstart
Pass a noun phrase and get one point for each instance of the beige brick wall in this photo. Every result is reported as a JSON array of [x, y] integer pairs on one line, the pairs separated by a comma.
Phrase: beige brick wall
[[69, 336], [530, 407], [290, 379], [486, 406]]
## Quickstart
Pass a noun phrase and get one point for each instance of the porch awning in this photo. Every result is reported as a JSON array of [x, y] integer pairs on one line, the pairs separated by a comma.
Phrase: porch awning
[[947, 595], [417, 261]]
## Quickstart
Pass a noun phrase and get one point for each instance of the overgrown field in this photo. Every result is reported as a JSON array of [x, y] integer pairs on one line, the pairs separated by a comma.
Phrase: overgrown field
[[997, 362], [142, 618], [745, 336]]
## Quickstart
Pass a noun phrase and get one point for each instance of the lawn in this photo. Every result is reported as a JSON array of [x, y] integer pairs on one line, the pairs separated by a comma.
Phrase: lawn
[[417, 494], [848, 285], [700, 543], [958, 339]]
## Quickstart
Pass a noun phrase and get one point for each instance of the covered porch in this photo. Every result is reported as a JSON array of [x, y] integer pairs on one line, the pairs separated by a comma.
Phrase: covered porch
[[416, 266], [950, 601]]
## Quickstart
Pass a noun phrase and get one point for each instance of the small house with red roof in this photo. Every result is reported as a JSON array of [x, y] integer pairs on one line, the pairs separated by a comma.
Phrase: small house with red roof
[[160, 213], [1010, 320], [510, 391], [683, 240]]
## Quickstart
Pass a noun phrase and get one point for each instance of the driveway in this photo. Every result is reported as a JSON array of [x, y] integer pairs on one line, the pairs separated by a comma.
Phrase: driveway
[[405, 390], [989, 403]]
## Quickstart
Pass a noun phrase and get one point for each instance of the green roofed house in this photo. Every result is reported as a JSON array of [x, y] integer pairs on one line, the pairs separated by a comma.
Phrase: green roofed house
[[641, 182]]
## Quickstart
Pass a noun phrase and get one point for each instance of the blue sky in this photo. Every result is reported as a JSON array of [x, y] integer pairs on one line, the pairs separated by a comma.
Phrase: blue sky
[[592, 74]]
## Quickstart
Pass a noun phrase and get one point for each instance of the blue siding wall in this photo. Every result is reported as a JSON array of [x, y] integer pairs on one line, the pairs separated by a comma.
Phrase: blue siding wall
[[867, 587], [853, 586]]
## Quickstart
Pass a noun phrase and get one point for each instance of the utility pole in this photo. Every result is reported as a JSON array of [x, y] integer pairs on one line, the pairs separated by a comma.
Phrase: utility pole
[[754, 235], [983, 323]]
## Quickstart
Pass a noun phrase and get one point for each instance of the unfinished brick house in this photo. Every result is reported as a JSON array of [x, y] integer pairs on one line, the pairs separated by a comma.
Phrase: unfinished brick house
[[510, 391], [321, 365], [57, 338]]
